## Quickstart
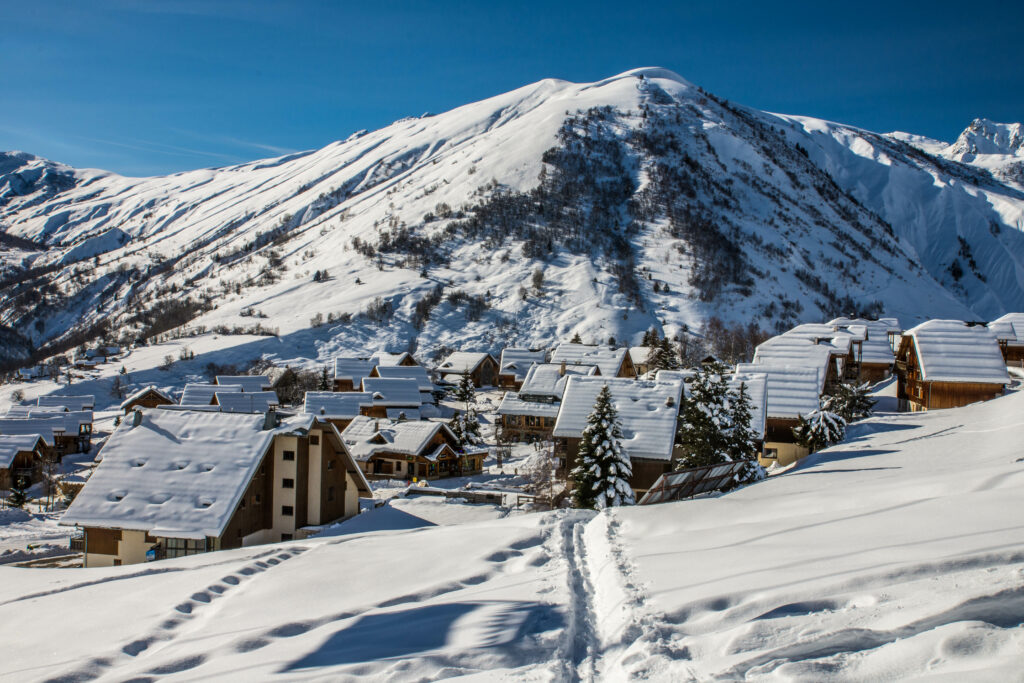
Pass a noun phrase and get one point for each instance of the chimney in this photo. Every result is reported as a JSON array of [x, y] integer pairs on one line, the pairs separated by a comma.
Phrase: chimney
[[561, 370], [136, 418], [270, 419]]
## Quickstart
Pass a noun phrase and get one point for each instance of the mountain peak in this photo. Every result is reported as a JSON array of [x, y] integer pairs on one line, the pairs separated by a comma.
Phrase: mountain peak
[[983, 136]]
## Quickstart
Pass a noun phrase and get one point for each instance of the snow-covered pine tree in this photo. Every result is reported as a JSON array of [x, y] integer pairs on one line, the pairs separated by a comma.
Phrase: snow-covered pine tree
[[852, 402], [465, 391], [705, 420], [742, 439], [601, 476], [819, 429], [663, 356]]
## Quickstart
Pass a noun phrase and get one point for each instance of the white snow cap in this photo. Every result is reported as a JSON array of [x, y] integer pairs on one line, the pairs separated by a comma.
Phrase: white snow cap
[[336, 405], [546, 380], [414, 372], [248, 383], [516, 361], [197, 394], [393, 391], [875, 349], [512, 404], [83, 402], [152, 388], [648, 412], [791, 391], [462, 362], [366, 436], [246, 402], [12, 444], [607, 359], [1009, 328], [354, 369], [953, 351]]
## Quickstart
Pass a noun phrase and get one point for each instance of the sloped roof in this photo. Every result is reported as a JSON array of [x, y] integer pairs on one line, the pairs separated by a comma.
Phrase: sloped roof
[[43, 426], [796, 351], [12, 444], [393, 391], [247, 382], [366, 436], [196, 394], [546, 379], [648, 412], [1009, 328], [516, 361], [180, 472], [757, 389], [838, 341], [385, 359], [791, 391], [639, 354], [952, 351], [336, 405], [246, 402], [354, 369], [875, 349], [511, 404], [414, 372], [152, 388], [607, 359], [463, 362], [83, 402]]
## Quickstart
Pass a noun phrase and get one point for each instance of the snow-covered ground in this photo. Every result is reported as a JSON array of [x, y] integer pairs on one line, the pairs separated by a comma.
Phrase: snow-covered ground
[[896, 554]]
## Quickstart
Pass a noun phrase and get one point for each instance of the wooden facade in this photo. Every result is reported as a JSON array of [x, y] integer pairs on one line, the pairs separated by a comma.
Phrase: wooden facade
[[527, 427], [28, 464], [780, 447], [485, 374], [148, 399], [915, 393], [875, 372], [428, 463], [645, 471]]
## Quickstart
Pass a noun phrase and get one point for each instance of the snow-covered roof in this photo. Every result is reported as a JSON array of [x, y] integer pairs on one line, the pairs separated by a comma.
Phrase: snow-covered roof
[[43, 426], [366, 436], [546, 379], [402, 413], [791, 391], [354, 369], [336, 405], [1009, 328], [648, 412], [516, 361], [152, 388], [795, 351], [838, 341], [393, 391], [414, 372], [178, 472], [639, 354], [757, 389], [607, 359], [952, 351], [12, 444], [511, 404], [875, 349], [385, 359], [246, 402], [247, 382], [196, 394], [462, 362], [83, 402]]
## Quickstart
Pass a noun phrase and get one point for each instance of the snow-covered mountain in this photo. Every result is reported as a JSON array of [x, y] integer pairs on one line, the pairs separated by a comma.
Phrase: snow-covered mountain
[[642, 199]]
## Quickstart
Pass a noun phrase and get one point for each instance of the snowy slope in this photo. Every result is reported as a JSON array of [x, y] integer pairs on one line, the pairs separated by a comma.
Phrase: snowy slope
[[896, 554], [731, 211]]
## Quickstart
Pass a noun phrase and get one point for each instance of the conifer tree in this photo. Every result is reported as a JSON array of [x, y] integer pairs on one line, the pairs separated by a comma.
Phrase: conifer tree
[[743, 440], [663, 356], [851, 402], [324, 382], [19, 493], [819, 429], [576, 339], [705, 419], [602, 474], [465, 424]]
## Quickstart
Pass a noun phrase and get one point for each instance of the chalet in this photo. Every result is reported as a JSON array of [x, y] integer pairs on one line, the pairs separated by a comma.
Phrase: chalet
[[844, 348], [407, 450], [530, 414], [385, 359], [611, 362], [413, 372], [824, 358], [397, 398], [1009, 331], [349, 373], [514, 364], [640, 355], [174, 483], [68, 403], [338, 408], [481, 368], [948, 364], [147, 397], [21, 455], [876, 354], [72, 431], [248, 383], [791, 392], [648, 415], [198, 394], [246, 401]]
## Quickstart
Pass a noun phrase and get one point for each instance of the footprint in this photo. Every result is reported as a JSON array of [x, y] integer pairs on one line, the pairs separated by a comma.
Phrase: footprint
[[232, 580], [178, 666], [184, 608], [202, 596], [291, 630], [251, 644]]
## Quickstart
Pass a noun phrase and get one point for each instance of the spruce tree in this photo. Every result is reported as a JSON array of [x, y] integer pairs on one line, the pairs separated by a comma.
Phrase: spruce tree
[[743, 440], [819, 429], [851, 402], [19, 493], [601, 476], [705, 419], [324, 383], [663, 356], [465, 391], [576, 339]]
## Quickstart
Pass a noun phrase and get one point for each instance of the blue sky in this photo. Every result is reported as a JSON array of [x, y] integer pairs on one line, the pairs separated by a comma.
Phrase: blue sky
[[144, 87]]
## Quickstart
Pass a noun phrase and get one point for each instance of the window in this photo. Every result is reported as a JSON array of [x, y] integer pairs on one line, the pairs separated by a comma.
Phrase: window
[[241, 505], [398, 467], [117, 561], [330, 493], [179, 547], [314, 439], [771, 453], [287, 511], [288, 455], [256, 499], [287, 483], [330, 464], [286, 537]]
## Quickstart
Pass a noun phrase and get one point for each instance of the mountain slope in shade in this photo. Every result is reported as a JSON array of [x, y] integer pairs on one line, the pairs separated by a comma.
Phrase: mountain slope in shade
[[643, 199]]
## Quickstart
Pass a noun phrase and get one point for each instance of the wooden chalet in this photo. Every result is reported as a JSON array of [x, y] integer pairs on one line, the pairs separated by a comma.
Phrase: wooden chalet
[[248, 383], [147, 397], [66, 432], [417, 373], [515, 363], [177, 482], [69, 403], [877, 357], [338, 408], [611, 362], [648, 415], [396, 398], [21, 455], [791, 392], [385, 359], [481, 368], [825, 358], [418, 450], [200, 394], [349, 373], [948, 364], [246, 401], [1009, 331], [640, 355], [530, 413]]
